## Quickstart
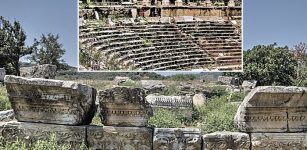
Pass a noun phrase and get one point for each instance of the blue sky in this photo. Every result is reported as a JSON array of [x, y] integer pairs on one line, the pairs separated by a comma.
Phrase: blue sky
[[269, 21], [39, 17], [265, 21]]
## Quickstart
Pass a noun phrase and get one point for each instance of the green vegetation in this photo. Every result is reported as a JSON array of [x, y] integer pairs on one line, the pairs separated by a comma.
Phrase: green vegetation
[[216, 115], [48, 50], [4, 101], [12, 45], [171, 90], [50, 144], [164, 118], [131, 83], [183, 77]]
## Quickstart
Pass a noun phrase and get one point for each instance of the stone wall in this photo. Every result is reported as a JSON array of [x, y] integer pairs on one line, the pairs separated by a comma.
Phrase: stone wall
[[268, 118]]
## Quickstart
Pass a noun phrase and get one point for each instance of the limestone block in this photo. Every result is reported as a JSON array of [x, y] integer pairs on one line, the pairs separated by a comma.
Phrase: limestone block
[[199, 99], [248, 85], [153, 86], [126, 138], [124, 106], [51, 101], [231, 3], [173, 102], [46, 71], [226, 140], [276, 141], [31, 132], [273, 109], [177, 138], [7, 115]]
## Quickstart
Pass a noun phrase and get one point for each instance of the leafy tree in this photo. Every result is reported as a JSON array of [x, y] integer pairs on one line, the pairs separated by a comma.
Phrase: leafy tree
[[270, 65], [48, 51], [12, 45]]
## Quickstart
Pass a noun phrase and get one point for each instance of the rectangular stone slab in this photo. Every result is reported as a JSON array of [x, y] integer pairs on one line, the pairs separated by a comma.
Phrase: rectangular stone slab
[[31, 132], [51, 101], [126, 138], [265, 120], [226, 141], [297, 119], [177, 138], [285, 141]]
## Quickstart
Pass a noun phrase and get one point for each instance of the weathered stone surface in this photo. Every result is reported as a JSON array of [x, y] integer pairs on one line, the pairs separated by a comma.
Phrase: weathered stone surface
[[226, 140], [229, 80], [51, 101], [249, 85], [2, 74], [161, 101], [273, 109], [7, 115], [117, 138], [153, 86], [199, 99], [31, 132], [279, 141], [119, 80], [46, 71], [177, 138], [124, 106]]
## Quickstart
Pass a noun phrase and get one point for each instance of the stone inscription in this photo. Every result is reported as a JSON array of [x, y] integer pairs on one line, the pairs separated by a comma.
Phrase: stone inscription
[[51, 101], [119, 138], [177, 138], [285, 141]]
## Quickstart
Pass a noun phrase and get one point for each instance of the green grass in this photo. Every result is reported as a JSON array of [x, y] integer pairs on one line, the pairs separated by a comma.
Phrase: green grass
[[216, 115], [50, 144], [4, 100]]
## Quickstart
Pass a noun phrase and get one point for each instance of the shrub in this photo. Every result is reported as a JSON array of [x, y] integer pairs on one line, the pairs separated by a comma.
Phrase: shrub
[[216, 115], [164, 118], [171, 90], [50, 144], [236, 97], [4, 100]]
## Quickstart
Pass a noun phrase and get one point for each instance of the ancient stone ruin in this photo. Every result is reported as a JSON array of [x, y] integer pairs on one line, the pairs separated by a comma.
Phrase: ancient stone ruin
[[270, 117], [124, 106], [51, 101], [174, 102], [160, 35], [46, 71], [275, 117]]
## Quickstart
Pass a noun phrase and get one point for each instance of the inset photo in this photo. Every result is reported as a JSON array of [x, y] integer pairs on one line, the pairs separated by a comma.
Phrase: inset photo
[[155, 35]]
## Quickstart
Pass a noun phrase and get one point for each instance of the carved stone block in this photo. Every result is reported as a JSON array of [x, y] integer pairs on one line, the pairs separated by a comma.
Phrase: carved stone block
[[226, 140], [177, 138], [115, 138], [31, 132], [273, 109], [51, 101], [276, 141], [124, 106]]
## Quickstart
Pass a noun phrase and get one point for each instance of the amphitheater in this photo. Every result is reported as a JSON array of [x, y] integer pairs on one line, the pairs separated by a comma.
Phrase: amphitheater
[[160, 35]]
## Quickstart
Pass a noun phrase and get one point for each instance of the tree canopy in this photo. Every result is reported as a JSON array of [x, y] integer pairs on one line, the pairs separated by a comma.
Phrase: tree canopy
[[12, 45], [48, 50]]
